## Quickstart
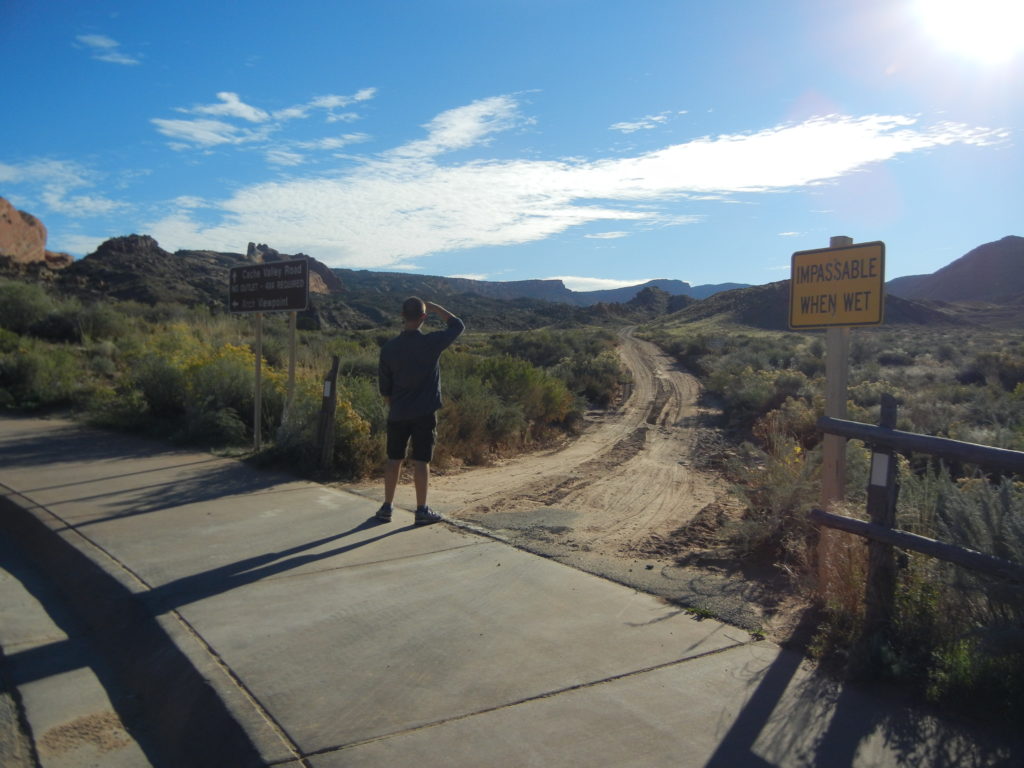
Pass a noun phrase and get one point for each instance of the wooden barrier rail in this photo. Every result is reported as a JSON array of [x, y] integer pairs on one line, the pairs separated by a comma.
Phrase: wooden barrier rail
[[881, 532]]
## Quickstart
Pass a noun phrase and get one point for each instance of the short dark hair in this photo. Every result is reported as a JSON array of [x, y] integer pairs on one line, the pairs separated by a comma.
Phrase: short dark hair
[[413, 308]]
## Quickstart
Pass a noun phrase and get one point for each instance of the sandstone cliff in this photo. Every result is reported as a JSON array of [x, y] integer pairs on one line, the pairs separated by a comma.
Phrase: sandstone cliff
[[23, 239]]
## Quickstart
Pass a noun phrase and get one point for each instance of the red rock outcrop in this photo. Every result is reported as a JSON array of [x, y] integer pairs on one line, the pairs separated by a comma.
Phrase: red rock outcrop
[[22, 235]]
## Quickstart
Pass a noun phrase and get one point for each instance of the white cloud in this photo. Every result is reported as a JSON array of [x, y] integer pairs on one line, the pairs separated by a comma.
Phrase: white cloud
[[231, 106], [574, 283], [54, 181], [106, 49], [607, 235], [77, 244], [471, 277], [204, 132], [790, 234], [404, 203], [645, 123], [284, 157], [343, 117], [463, 127], [333, 142]]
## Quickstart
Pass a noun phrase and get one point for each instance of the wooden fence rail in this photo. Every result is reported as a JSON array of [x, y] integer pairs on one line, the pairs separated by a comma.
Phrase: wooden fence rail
[[881, 532]]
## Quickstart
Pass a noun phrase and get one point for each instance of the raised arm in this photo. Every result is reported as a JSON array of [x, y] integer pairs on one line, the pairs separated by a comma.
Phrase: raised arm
[[438, 310]]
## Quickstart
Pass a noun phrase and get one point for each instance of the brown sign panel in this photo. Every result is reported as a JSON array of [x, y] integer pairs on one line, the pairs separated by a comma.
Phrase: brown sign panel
[[276, 286], [841, 286]]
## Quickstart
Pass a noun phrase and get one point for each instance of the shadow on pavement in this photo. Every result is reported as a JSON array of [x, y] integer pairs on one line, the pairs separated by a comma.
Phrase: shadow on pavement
[[215, 581], [818, 721], [187, 722]]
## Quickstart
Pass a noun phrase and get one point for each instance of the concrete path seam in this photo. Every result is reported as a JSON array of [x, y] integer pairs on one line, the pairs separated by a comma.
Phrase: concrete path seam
[[528, 699], [29, 505]]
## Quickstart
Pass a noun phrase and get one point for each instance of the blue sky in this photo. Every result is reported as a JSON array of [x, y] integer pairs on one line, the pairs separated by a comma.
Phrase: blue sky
[[603, 142]]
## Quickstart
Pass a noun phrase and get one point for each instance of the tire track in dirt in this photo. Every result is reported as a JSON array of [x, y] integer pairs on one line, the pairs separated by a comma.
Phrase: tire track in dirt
[[628, 477]]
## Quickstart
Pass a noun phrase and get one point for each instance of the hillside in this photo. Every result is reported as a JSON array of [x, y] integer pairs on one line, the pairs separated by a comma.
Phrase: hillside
[[991, 273], [983, 287]]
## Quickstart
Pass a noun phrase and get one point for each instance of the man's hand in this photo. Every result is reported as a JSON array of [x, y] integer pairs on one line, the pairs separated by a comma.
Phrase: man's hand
[[438, 310]]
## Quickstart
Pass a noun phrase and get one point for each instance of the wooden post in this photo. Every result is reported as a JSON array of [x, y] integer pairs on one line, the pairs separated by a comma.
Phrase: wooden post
[[257, 421], [837, 366], [882, 490], [292, 323], [325, 433]]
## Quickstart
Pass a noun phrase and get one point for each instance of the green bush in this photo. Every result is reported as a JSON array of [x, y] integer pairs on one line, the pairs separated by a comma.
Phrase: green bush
[[37, 375], [23, 305]]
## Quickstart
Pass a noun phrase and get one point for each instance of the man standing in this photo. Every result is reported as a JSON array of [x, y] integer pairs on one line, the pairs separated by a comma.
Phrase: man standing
[[410, 380]]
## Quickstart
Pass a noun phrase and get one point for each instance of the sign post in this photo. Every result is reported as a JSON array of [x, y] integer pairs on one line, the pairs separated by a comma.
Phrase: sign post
[[276, 286], [835, 288]]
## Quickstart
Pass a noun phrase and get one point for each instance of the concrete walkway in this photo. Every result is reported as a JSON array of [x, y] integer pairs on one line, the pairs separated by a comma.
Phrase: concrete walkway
[[247, 618]]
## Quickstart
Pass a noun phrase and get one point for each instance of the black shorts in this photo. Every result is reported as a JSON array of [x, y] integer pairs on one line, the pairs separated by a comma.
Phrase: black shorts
[[423, 432]]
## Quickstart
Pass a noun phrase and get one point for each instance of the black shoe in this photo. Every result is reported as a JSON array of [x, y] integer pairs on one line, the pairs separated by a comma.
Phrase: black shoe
[[426, 516], [383, 514]]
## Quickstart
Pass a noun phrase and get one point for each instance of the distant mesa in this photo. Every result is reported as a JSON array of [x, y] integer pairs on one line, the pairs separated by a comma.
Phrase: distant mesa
[[23, 239]]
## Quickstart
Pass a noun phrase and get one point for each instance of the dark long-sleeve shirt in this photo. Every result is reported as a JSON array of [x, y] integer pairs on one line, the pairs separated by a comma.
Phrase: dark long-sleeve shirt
[[409, 373]]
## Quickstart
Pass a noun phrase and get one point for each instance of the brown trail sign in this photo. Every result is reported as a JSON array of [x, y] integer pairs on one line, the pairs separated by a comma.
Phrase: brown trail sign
[[275, 286]]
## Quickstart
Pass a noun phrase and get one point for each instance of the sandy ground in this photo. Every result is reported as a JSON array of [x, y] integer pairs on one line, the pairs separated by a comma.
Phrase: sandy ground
[[622, 500]]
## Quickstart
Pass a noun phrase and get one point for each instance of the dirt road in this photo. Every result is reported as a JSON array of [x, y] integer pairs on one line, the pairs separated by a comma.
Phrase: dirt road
[[614, 501], [630, 475]]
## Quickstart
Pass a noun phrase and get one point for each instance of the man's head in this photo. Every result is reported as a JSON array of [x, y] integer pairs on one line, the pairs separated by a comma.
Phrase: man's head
[[414, 310]]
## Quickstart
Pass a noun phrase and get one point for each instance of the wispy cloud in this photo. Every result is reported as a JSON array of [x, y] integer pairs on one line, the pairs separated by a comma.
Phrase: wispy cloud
[[106, 49], [646, 123], [202, 132], [410, 201], [606, 235], [790, 234]]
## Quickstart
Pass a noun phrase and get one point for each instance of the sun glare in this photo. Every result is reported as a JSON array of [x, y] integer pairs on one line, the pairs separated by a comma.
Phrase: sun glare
[[989, 31]]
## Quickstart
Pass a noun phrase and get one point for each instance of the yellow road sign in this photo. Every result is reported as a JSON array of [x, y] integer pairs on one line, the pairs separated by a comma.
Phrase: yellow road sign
[[837, 286]]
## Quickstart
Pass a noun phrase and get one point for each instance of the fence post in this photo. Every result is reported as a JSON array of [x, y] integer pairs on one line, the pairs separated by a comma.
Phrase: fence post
[[882, 490], [325, 431]]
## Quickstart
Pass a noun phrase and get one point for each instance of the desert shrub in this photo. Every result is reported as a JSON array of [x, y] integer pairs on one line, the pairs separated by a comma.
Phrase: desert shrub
[[9, 341], [23, 305], [37, 375], [357, 450], [543, 399], [466, 421], [957, 636], [100, 321], [779, 486], [162, 383], [895, 358], [585, 361], [117, 407], [597, 379], [997, 369]]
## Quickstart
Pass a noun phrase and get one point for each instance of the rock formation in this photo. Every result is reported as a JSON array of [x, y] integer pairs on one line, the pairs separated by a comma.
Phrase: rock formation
[[321, 279], [23, 241], [22, 235]]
